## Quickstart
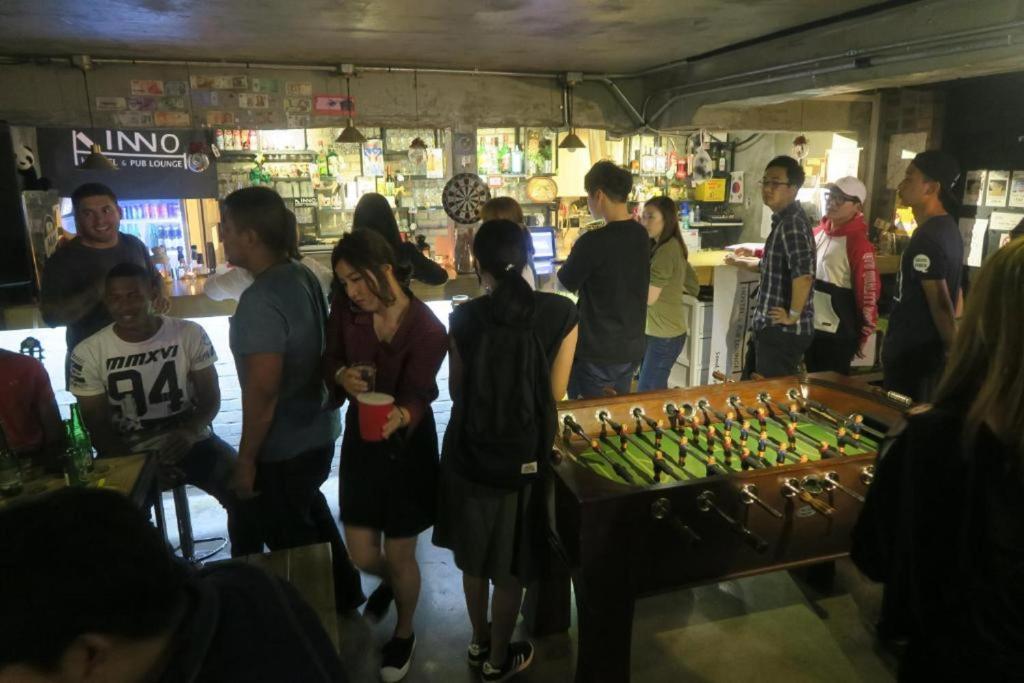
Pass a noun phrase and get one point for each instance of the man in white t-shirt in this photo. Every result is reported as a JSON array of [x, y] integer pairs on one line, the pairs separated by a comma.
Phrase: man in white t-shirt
[[148, 382]]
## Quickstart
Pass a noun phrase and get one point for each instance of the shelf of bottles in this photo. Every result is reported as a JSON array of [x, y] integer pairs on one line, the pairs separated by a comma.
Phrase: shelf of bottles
[[322, 180], [508, 157], [662, 165], [157, 223]]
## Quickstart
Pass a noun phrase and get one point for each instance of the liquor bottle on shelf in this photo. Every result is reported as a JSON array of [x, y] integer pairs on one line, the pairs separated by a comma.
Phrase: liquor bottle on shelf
[[321, 162], [10, 474], [333, 162], [504, 158], [517, 160]]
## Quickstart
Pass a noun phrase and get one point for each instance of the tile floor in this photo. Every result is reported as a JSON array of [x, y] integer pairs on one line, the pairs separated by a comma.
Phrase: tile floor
[[766, 628]]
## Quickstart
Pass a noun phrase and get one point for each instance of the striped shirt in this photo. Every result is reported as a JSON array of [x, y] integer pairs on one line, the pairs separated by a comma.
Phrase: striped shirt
[[788, 254]]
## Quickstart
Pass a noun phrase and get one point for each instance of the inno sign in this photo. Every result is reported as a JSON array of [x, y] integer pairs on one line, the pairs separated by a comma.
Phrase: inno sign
[[132, 149]]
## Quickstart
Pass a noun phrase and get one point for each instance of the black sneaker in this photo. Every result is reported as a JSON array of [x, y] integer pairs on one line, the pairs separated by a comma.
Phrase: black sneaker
[[378, 603], [477, 654], [396, 658], [520, 655]]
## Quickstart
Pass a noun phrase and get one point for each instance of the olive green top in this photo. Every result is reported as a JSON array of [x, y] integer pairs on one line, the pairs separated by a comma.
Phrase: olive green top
[[676, 277]]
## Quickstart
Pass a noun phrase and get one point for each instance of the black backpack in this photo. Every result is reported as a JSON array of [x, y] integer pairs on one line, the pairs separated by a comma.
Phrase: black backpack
[[508, 418]]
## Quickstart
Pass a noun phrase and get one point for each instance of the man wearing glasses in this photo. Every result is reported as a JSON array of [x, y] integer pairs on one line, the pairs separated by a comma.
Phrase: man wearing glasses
[[783, 320]]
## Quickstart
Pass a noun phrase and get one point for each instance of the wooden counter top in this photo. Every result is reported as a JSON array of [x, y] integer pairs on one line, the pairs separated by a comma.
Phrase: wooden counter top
[[131, 475]]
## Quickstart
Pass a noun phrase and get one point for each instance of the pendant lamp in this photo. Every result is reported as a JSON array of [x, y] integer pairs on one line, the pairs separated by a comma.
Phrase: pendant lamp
[[350, 133], [95, 161], [570, 142]]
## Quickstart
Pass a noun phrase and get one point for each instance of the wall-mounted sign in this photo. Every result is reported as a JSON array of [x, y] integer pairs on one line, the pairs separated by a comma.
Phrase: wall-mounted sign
[[153, 164], [334, 105]]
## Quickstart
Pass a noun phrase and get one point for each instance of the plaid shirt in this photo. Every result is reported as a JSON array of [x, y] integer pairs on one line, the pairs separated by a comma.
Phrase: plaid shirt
[[788, 254]]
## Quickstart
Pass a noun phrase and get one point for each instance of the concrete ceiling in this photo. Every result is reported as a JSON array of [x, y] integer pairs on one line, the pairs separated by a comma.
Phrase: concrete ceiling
[[596, 36]]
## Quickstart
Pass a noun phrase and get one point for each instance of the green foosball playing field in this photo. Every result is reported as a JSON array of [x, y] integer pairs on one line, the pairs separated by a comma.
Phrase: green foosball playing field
[[637, 461]]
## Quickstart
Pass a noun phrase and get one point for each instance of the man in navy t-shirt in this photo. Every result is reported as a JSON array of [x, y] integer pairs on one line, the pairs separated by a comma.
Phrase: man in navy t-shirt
[[922, 325]]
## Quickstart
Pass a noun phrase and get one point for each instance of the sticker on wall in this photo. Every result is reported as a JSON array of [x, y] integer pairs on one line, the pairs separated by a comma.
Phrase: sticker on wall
[[297, 120], [111, 104], [334, 105], [171, 119], [220, 82], [974, 188], [142, 103], [736, 187], [253, 100], [176, 103], [998, 188], [264, 85], [220, 118], [1017, 190], [147, 87], [134, 119], [298, 89], [205, 98], [298, 104], [175, 88]]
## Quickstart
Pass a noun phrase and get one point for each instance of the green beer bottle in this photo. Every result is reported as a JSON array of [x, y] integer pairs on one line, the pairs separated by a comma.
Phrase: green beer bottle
[[10, 475], [80, 437], [75, 472]]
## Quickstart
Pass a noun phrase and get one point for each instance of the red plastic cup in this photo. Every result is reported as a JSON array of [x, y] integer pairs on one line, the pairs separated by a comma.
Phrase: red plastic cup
[[374, 408]]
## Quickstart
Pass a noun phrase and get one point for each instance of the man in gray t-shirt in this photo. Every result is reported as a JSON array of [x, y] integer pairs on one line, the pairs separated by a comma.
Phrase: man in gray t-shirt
[[278, 335], [284, 312], [74, 276]]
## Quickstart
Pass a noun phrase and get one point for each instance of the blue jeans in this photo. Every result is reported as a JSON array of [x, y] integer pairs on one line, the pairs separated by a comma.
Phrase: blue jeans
[[661, 353], [594, 380]]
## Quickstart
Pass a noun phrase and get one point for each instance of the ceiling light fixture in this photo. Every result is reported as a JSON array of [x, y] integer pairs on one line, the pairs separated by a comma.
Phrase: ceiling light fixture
[[350, 133], [95, 161], [570, 142]]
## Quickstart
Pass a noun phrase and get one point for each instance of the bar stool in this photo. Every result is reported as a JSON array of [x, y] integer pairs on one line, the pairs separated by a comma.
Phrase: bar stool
[[186, 543]]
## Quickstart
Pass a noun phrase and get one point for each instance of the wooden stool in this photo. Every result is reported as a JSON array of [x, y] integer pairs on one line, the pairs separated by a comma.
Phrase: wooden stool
[[186, 543]]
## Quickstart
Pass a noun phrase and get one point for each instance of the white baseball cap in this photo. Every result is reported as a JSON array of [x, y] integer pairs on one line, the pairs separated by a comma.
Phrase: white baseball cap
[[851, 187]]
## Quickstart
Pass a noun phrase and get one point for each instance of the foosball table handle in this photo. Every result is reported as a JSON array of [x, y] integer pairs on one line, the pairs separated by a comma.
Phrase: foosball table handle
[[706, 503], [661, 510]]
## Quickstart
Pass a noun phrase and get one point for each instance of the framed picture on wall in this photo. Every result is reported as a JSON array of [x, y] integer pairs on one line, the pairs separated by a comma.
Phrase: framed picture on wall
[[974, 188], [997, 189]]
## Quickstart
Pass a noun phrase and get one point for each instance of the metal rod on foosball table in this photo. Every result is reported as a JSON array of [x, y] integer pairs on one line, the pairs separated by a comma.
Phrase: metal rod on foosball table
[[657, 458], [792, 411], [620, 432], [577, 429], [706, 503], [832, 482], [654, 425]]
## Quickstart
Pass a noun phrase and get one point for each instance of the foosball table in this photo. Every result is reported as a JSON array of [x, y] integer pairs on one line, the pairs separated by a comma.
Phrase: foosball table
[[660, 491]]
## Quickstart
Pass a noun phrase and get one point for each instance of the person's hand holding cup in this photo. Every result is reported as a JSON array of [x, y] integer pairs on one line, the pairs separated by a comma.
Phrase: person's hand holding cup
[[357, 378]]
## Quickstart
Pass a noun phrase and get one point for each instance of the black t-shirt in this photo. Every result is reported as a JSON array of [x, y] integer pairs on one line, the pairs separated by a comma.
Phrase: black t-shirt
[[76, 268], [554, 318], [935, 252], [610, 270]]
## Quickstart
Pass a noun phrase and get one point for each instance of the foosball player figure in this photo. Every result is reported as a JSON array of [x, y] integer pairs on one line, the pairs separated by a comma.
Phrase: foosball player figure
[[856, 426], [727, 450], [780, 456], [710, 438], [659, 463], [746, 458], [791, 435], [823, 450], [683, 447], [793, 412], [762, 418], [744, 431], [727, 423], [710, 470], [762, 443]]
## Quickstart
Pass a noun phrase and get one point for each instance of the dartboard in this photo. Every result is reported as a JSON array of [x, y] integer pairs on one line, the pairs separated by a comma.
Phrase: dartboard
[[463, 196]]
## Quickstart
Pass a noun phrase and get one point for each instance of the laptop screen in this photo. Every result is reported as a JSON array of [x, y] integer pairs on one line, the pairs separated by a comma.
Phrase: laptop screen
[[543, 243]]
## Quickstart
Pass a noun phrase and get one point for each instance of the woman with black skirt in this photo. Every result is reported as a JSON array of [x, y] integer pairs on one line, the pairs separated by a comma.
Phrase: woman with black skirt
[[495, 533], [387, 487]]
